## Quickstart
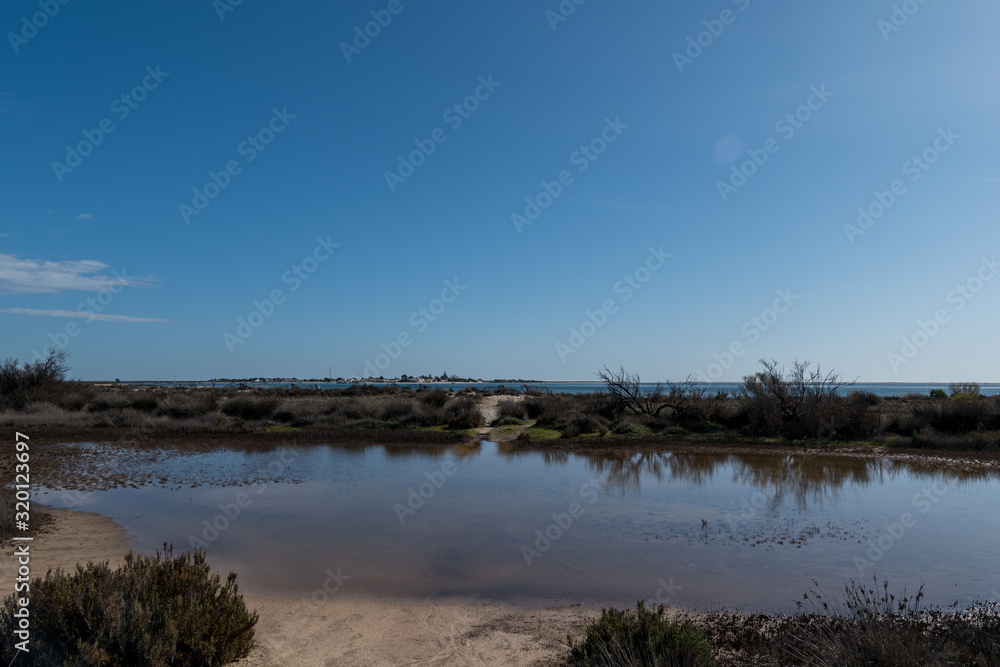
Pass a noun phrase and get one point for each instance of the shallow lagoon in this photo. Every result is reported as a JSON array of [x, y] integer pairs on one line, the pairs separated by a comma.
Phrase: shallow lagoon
[[702, 530]]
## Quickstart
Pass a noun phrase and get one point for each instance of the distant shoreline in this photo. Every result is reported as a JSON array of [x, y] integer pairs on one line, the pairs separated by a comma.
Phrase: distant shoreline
[[492, 382]]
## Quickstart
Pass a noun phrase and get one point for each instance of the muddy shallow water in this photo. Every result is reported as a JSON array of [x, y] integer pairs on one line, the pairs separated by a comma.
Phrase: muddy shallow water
[[489, 522]]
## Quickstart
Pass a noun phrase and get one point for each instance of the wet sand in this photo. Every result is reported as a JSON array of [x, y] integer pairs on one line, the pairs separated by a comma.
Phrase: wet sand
[[329, 632]]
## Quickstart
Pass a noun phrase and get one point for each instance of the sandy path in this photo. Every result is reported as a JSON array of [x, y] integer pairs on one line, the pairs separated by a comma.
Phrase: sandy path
[[488, 409], [340, 632]]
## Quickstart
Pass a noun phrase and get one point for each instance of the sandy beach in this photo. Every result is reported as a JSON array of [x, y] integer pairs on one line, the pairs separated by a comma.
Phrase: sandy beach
[[340, 632]]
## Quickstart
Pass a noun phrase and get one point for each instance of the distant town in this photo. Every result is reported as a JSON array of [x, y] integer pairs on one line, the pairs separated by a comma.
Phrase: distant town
[[409, 379]]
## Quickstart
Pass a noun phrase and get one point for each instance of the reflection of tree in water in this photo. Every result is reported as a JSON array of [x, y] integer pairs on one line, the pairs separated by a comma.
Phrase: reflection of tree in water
[[799, 478], [623, 471], [466, 450], [513, 451]]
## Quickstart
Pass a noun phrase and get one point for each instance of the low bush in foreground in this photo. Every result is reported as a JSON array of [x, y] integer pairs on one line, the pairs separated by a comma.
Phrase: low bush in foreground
[[160, 611], [642, 638]]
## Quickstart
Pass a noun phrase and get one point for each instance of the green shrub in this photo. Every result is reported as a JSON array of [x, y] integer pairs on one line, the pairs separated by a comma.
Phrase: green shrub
[[436, 397], [551, 411], [463, 413], [629, 428], [160, 611], [956, 415], [250, 408], [580, 424], [292, 418], [964, 390], [534, 407], [641, 638], [938, 393]]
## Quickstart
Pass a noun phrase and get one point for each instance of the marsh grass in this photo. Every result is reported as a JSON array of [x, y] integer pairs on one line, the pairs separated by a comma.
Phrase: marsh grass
[[867, 626], [641, 638]]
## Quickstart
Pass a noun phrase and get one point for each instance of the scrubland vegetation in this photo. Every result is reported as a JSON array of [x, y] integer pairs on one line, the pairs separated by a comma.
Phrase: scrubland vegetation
[[797, 405], [773, 405]]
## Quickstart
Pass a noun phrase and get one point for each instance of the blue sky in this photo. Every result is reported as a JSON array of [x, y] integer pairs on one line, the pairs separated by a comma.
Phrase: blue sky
[[659, 132]]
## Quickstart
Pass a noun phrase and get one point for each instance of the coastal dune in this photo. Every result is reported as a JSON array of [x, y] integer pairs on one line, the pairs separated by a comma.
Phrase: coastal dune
[[338, 631]]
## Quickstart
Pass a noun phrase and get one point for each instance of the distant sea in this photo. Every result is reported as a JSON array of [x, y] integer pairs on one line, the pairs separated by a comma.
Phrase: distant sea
[[878, 388]]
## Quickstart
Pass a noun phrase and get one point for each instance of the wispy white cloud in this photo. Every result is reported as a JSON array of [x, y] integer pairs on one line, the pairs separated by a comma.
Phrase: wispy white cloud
[[88, 315], [85, 216], [32, 276], [990, 180]]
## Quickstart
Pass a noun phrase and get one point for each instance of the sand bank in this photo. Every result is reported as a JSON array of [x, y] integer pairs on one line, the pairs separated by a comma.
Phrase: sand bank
[[339, 632]]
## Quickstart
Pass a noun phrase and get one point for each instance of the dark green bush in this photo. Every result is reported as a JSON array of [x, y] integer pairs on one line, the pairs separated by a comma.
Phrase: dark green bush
[[641, 638], [144, 401], [955, 415], [580, 424], [552, 411], [463, 413], [534, 407], [249, 407], [938, 393], [864, 397], [161, 611], [436, 397]]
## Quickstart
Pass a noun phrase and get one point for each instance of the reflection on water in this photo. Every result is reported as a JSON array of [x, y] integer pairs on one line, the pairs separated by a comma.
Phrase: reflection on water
[[729, 529]]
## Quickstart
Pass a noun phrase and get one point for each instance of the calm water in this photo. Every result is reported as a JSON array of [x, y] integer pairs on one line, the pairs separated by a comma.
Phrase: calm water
[[699, 530], [878, 388]]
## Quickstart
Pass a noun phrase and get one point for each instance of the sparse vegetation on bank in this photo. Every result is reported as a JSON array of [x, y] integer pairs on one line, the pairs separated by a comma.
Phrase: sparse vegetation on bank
[[870, 626]]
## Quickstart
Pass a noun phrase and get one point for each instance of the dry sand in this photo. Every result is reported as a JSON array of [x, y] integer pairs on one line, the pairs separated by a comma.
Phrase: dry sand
[[340, 632]]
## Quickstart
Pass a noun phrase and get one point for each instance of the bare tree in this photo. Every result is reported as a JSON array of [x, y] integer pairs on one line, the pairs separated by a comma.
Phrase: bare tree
[[626, 391], [800, 398], [21, 384]]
